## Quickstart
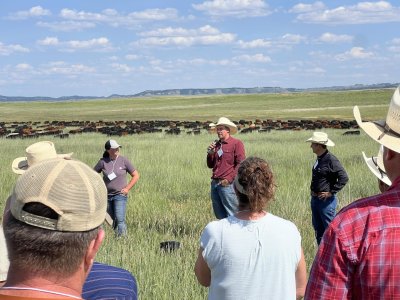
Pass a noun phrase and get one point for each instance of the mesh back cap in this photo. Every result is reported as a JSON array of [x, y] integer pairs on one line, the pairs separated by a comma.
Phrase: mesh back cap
[[71, 188]]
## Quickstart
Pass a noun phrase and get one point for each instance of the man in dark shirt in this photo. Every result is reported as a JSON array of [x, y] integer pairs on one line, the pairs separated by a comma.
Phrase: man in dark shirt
[[328, 178], [224, 156]]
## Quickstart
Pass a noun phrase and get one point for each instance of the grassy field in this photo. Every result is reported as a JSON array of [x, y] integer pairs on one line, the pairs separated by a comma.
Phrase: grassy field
[[322, 105], [171, 200]]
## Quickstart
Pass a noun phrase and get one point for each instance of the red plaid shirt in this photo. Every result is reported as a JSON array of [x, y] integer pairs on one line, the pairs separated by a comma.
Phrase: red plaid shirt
[[359, 256]]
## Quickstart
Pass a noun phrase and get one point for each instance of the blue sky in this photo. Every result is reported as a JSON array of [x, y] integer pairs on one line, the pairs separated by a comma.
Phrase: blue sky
[[98, 48]]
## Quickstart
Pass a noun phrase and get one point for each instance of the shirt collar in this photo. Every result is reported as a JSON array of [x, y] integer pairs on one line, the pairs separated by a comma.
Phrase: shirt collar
[[323, 154], [395, 183]]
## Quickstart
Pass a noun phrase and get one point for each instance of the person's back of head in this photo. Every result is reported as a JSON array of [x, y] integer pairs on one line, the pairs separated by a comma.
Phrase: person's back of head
[[45, 252], [56, 211], [255, 184]]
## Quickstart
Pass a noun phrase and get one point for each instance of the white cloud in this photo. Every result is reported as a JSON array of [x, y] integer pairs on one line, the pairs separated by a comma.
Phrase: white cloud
[[213, 62], [293, 38], [170, 31], [88, 44], [206, 35], [284, 42], [113, 18], [332, 38], [36, 11], [132, 57], [354, 53], [302, 7], [6, 50], [258, 43], [121, 68], [361, 13], [394, 45], [67, 25], [96, 44], [155, 14], [256, 58], [23, 67], [234, 8], [48, 41], [64, 68]]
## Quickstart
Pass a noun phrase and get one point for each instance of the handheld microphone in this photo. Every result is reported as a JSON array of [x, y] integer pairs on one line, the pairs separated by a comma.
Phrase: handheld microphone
[[210, 149]]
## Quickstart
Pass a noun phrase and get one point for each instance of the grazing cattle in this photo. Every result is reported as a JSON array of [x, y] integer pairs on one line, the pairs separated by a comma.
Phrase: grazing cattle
[[120, 128], [62, 135], [352, 132]]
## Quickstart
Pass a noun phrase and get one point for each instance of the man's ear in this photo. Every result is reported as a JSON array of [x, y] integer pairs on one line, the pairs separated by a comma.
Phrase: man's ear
[[93, 248]]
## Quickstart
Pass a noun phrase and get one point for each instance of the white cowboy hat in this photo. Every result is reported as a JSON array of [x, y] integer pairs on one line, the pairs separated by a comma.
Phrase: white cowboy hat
[[386, 133], [226, 122], [375, 164], [321, 138], [35, 153]]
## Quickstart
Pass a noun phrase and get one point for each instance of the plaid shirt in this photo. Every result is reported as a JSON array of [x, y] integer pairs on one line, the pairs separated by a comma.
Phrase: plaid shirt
[[359, 256]]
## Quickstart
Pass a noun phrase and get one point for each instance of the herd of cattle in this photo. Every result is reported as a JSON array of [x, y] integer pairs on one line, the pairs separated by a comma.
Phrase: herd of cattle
[[64, 129]]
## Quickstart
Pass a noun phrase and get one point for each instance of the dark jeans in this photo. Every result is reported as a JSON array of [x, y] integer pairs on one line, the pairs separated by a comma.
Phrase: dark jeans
[[116, 208], [323, 212], [224, 200]]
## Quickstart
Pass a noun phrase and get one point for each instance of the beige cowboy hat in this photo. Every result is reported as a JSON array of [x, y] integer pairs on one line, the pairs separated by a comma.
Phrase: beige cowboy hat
[[321, 138], [36, 153], [375, 164], [226, 122], [385, 132]]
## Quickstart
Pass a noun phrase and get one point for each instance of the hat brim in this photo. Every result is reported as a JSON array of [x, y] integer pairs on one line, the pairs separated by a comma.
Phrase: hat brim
[[374, 169], [376, 130], [232, 129], [20, 164], [328, 143]]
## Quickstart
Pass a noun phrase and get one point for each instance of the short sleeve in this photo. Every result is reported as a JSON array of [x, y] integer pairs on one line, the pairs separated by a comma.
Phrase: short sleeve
[[210, 241], [99, 166], [128, 165]]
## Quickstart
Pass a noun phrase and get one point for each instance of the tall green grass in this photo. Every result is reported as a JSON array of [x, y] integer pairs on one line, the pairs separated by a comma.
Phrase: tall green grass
[[171, 200]]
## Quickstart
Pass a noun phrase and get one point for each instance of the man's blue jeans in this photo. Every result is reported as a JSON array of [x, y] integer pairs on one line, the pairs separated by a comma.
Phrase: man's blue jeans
[[224, 200], [323, 212], [116, 208]]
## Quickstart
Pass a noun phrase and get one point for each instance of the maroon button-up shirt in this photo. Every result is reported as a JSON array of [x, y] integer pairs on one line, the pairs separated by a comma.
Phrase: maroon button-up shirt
[[226, 165]]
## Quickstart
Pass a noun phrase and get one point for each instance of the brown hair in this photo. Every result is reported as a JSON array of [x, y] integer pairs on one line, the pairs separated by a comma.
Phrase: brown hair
[[258, 182], [45, 252]]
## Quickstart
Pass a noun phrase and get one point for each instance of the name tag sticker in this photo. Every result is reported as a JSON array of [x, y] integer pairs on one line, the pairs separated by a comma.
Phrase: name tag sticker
[[111, 176]]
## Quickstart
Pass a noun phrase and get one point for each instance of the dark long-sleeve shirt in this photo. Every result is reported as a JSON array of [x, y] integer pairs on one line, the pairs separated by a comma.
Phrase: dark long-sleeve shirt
[[226, 165], [328, 174]]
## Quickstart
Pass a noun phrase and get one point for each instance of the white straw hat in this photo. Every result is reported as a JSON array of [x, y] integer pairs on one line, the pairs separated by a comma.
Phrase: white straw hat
[[375, 164], [35, 153], [321, 138], [385, 132], [226, 122]]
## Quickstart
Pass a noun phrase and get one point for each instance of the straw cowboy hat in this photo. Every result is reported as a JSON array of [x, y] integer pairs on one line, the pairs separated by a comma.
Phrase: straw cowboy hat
[[375, 164], [35, 153], [226, 122], [321, 138], [385, 132]]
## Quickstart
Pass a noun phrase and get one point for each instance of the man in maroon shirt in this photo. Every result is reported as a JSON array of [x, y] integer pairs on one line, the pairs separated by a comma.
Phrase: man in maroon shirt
[[358, 257], [224, 156]]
